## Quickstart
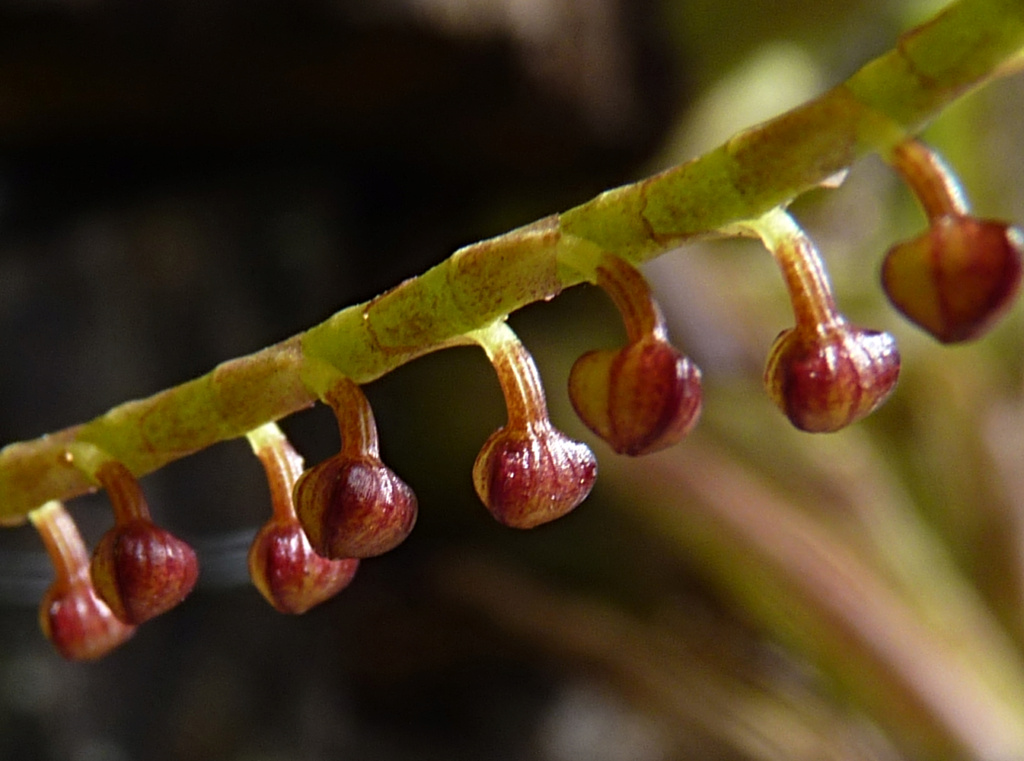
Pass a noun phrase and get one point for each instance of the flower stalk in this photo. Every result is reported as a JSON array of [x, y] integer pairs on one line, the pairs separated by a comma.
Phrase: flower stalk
[[647, 395], [878, 107]]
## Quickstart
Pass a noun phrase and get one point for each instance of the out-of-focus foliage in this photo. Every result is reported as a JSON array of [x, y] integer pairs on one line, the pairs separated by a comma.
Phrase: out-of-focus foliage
[[183, 183]]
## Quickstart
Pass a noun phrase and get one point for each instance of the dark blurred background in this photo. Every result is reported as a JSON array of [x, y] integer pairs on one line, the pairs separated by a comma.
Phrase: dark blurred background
[[184, 182]]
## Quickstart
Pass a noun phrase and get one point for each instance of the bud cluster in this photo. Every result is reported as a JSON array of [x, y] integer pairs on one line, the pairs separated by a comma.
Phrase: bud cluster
[[956, 279], [137, 569]]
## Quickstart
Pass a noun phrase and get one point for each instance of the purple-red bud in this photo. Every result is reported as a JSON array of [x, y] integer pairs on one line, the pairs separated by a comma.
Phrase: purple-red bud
[[527, 472], [957, 278], [354, 506], [289, 573], [640, 399], [647, 395], [826, 379], [79, 624], [139, 569], [72, 616], [283, 565], [529, 476]]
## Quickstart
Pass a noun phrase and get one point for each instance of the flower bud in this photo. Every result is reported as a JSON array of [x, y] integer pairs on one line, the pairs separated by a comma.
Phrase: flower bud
[[527, 472], [289, 574], [957, 278], [139, 569], [824, 380], [532, 475], [283, 565], [823, 373], [640, 399], [354, 506], [78, 623]]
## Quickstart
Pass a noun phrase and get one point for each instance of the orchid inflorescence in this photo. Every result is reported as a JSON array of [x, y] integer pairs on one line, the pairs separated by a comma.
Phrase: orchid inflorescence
[[954, 281]]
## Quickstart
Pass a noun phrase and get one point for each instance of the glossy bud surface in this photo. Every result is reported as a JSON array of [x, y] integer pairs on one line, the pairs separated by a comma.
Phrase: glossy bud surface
[[289, 573], [141, 570], [354, 506], [530, 476], [642, 398], [957, 278], [79, 624], [825, 380]]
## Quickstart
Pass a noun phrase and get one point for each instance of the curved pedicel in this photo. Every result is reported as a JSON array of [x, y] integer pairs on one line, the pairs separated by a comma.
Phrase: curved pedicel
[[957, 278], [352, 505], [73, 617], [823, 373], [283, 565], [527, 472]]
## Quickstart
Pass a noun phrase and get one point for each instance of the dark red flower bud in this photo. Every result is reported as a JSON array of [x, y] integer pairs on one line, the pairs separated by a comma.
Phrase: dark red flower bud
[[139, 569], [527, 472], [352, 505], [823, 373], [647, 395], [142, 570], [529, 476], [957, 278], [641, 398], [289, 573], [824, 380], [72, 616], [283, 565]]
